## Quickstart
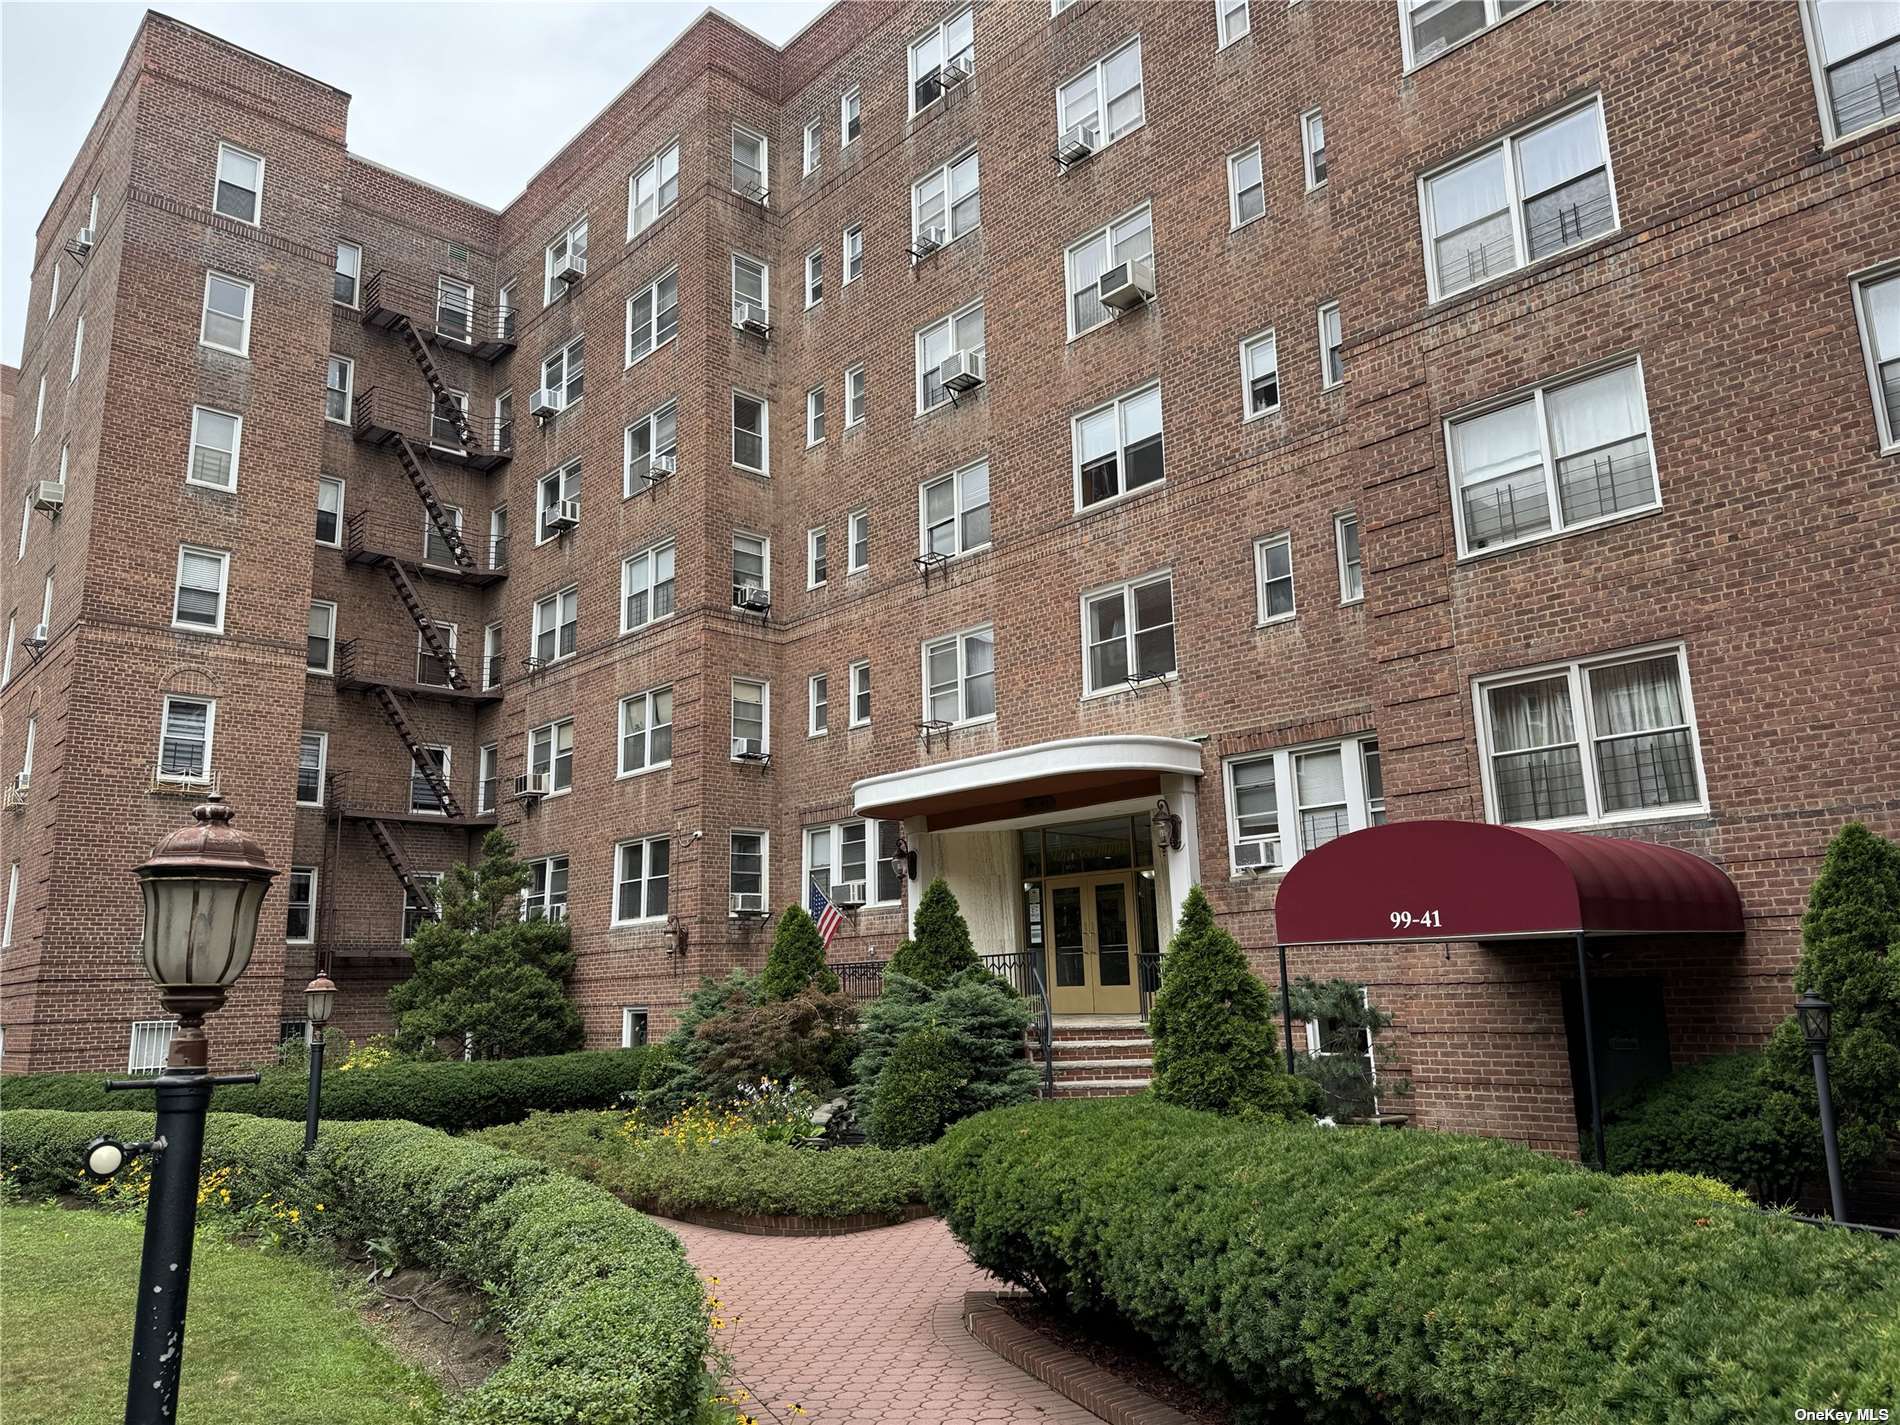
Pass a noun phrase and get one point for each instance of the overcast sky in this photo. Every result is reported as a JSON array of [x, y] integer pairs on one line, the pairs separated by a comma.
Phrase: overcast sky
[[542, 70]]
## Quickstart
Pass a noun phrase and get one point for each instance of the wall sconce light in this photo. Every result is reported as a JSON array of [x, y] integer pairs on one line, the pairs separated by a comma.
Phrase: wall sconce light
[[903, 860], [1167, 826], [675, 936]]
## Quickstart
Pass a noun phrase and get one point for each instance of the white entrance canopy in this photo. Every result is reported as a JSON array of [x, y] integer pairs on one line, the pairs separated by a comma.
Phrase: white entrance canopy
[[1073, 770]]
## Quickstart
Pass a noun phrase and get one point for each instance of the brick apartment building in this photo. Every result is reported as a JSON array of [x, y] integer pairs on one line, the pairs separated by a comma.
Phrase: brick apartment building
[[949, 435]]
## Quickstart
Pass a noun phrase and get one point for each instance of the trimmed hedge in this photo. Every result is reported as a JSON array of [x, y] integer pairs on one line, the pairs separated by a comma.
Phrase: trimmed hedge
[[1713, 1119], [606, 1321], [446, 1094], [1366, 1274], [740, 1174]]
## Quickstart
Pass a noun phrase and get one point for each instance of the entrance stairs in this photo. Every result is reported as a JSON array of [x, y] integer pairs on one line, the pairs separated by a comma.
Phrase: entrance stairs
[[1098, 1056]]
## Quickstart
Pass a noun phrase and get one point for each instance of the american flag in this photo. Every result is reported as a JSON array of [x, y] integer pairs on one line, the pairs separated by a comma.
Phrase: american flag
[[824, 912]]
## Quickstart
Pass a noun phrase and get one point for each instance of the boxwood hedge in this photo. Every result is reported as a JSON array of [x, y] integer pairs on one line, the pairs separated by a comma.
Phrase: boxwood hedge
[[605, 1319], [448, 1094], [1368, 1274]]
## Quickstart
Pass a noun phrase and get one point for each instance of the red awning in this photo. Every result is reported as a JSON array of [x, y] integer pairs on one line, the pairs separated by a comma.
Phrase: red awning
[[1467, 880]]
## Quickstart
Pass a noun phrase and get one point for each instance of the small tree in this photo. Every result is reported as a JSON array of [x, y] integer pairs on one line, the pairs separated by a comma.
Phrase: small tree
[[797, 958], [1213, 1026], [941, 949], [482, 976], [806, 1040], [917, 1090], [985, 1020], [1350, 1049]]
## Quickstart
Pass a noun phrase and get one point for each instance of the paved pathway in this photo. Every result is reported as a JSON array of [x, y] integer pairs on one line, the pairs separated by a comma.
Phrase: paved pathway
[[865, 1329]]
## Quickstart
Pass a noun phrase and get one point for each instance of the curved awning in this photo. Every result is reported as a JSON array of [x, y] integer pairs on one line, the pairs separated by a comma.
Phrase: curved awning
[[1467, 880], [1072, 771]]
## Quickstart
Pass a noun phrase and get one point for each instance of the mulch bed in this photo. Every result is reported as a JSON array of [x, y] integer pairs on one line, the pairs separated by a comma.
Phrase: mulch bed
[[1123, 1354]]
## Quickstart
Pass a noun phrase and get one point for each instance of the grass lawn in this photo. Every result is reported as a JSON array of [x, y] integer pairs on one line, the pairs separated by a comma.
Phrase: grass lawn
[[267, 1338]]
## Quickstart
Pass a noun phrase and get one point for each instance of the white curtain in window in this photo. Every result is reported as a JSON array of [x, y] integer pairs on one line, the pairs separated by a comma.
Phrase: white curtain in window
[[1600, 411], [1320, 778], [1850, 26], [1528, 715], [1559, 152], [1142, 415], [1097, 436], [1079, 102], [1121, 81], [1086, 264], [1135, 238], [1882, 300], [1468, 193], [1499, 443], [1636, 697]]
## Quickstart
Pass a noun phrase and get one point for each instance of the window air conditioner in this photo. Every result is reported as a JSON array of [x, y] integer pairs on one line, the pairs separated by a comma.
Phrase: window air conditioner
[[745, 749], [38, 638], [752, 597], [930, 239], [751, 317], [22, 781], [532, 785], [748, 902], [1127, 285], [1255, 855], [84, 242], [848, 894], [956, 71], [545, 403], [565, 515], [1077, 144], [660, 466], [570, 270], [963, 371], [50, 496]]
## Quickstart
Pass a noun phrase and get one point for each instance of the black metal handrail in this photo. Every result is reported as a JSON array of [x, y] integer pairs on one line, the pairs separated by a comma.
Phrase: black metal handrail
[[1021, 970], [860, 979], [1147, 979]]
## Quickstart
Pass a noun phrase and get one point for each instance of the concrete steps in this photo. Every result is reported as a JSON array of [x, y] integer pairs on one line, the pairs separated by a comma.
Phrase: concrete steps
[[1099, 1058]]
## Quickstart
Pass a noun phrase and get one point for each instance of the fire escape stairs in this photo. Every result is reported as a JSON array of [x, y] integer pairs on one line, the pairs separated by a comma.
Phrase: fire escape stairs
[[438, 515], [385, 840], [431, 634], [444, 402], [399, 719]]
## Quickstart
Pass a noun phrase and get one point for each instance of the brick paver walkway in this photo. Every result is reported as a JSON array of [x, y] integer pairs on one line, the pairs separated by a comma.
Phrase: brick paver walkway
[[865, 1329]]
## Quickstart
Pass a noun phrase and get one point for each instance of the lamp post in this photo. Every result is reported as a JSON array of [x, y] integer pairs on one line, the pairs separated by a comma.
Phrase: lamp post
[[1817, 1025], [203, 887], [319, 1000]]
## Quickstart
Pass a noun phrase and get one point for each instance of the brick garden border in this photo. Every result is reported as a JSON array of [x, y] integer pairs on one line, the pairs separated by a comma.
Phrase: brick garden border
[[1097, 1391], [781, 1224]]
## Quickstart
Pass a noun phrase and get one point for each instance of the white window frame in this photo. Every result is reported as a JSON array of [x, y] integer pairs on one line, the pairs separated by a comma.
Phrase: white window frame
[[814, 277], [39, 407], [154, 1035], [1883, 423], [765, 164], [257, 194], [1308, 151], [957, 510], [1234, 189], [862, 402], [765, 558], [310, 904], [1224, 12], [817, 557], [1261, 546], [341, 488], [539, 904], [1576, 671], [765, 714], [553, 730], [814, 147], [814, 417], [204, 311], [850, 111], [565, 355], [492, 650], [1492, 19], [654, 340], [1106, 235], [439, 415], [1817, 65], [573, 236], [1360, 813], [329, 667], [646, 702], [923, 335], [223, 557], [818, 699], [1123, 492], [847, 271], [961, 639], [554, 606], [656, 166], [651, 420], [1327, 380], [1126, 589], [1340, 522], [211, 728], [765, 281], [937, 33], [627, 1012], [1096, 67], [355, 274], [852, 523], [348, 389], [52, 297], [323, 762], [13, 896], [487, 771], [876, 853], [765, 864], [644, 881], [561, 478], [79, 347], [651, 554], [237, 446], [860, 670], [764, 467], [1247, 347], [950, 233]]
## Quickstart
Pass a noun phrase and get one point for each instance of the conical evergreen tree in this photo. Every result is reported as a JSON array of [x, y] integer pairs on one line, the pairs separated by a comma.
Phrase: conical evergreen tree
[[941, 949], [797, 958]]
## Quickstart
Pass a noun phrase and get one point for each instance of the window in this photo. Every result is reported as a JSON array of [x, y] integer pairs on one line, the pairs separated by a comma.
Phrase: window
[[936, 344], [329, 511], [339, 378], [814, 144], [1562, 457], [546, 895], [1332, 363], [13, 895], [1855, 52], [820, 705], [312, 752], [1235, 22], [1591, 741], [226, 323], [646, 731], [423, 796], [79, 347], [1131, 239], [1273, 577], [1285, 803], [349, 274], [853, 254], [1104, 100], [848, 107], [814, 415], [300, 919], [1430, 27], [1517, 201], [1878, 300], [39, 407], [750, 443], [428, 907], [653, 190], [184, 739], [750, 721], [498, 537], [215, 437], [653, 316], [1260, 375], [751, 283], [26, 755], [151, 1046], [854, 852], [814, 277], [749, 172], [432, 671], [52, 303], [1118, 448], [563, 374], [861, 693], [650, 437], [6, 653], [1128, 634], [946, 204], [454, 309], [1313, 141], [556, 621], [505, 312], [854, 394], [566, 252], [647, 587], [641, 871], [1352, 583], [859, 557], [1246, 187], [950, 44], [747, 875], [487, 777], [26, 524], [491, 656], [198, 600], [751, 566], [817, 570], [444, 433], [559, 497], [551, 753], [633, 1027], [954, 511], [240, 188], [960, 677]]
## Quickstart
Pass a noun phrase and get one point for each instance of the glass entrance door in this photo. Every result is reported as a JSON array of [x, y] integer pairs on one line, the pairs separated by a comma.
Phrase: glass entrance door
[[1091, 969]]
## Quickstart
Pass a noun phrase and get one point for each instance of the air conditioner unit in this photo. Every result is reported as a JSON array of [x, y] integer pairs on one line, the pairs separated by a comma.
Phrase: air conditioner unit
[[545, 403], [751, 317], [530, 786], [1255, 855], [1126, 285], [748, 902], [848, 894], [956, 71], [747, 749], [565, 515], [963, 371], [1077, 144], [83, 244], [571, 270], [660, 466], [38, 638], [50, 496], [22, 781], [930, 239], [752, 597]]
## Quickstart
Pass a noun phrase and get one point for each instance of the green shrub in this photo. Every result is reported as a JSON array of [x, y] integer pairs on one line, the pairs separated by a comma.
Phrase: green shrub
[[1360, 1274], [917, 1090], [447, 1094], [1711, 1119], [605, 1319], [797, 959], [941, 949], [1691, 1188], [675, 1079], [1349, 1022], [806, 1039], [1213, 1027], [983, 1016]]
